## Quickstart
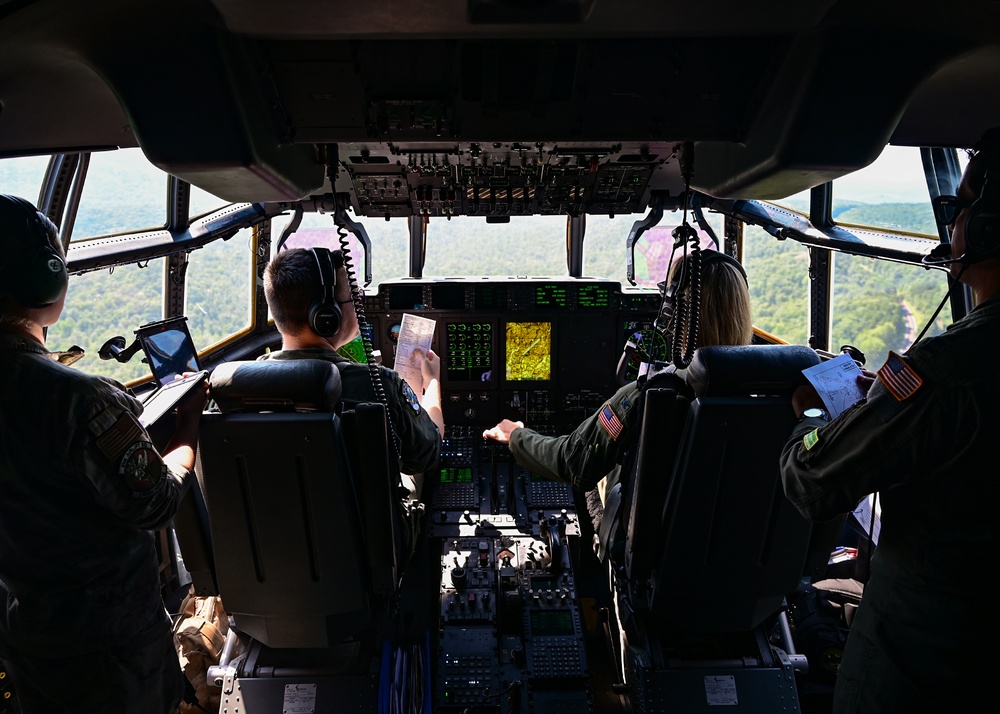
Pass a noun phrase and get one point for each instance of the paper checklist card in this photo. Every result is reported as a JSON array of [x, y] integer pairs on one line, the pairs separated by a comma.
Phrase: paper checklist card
[[414, 333], [836, 382]]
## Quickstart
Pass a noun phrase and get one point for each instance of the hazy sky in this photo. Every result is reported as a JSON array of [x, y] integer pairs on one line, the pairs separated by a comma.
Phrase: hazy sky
[[897, 176]]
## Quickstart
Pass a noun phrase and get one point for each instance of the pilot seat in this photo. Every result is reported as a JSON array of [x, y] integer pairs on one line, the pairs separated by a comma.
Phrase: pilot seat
[[306, 533], [712, 545]]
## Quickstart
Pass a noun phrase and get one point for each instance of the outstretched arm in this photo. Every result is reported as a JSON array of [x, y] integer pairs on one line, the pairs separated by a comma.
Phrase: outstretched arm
[[430, 370], [502, 431], [180, 450]]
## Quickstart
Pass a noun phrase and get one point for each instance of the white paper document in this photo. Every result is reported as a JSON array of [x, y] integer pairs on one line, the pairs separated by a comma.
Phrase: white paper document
[[836, 381], [863, 514], [414, 333]]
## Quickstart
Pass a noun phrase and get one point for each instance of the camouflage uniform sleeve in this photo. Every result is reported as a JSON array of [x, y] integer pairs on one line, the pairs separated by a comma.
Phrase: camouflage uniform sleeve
[[126, 472], [419, 438], [587, 455], [827, 468]]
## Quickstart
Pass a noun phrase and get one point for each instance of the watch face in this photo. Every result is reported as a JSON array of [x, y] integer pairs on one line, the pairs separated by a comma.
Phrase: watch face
[[814, 412]]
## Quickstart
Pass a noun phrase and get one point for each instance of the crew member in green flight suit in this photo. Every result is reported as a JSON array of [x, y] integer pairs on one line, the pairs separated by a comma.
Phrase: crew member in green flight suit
[[925, 440]]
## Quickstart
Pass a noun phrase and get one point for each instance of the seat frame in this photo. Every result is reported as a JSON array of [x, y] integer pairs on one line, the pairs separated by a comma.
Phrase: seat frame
[[712, 544]]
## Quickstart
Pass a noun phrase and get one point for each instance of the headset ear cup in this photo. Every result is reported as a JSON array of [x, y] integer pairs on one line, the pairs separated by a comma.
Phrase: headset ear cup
[[982, 228], [325, 314], [43, 279], [324, 319]]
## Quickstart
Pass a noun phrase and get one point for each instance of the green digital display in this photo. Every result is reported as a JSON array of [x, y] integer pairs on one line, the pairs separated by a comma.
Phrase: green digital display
[[593, 296], [355, 350], [551, 623], [491, 297], [550, 296], [649, 345], [469, 351], [456, 474]]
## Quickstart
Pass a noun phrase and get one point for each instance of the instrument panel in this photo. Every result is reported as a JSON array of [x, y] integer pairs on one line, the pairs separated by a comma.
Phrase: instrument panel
[[512, 633], [540, 351]]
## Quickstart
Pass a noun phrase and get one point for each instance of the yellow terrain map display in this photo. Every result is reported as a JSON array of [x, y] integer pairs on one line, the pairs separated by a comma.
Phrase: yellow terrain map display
[[529, 351]]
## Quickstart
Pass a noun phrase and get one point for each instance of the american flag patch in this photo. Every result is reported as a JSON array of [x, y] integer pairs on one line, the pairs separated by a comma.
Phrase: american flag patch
[[899, 377], [124, 433], [609, 420]]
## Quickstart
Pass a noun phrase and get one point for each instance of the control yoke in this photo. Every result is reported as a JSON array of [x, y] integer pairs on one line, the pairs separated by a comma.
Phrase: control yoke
[[555, 528]]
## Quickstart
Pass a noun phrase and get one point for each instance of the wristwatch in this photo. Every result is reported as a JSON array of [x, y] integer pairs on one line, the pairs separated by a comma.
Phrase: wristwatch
[[815, 412]]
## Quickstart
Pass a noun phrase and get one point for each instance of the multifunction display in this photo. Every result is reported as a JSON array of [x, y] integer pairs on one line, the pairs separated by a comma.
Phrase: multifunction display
[[469, 355], [529, 352]]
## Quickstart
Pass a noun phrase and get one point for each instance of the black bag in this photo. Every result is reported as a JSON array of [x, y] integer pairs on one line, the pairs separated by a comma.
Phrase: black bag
[[821, 614]]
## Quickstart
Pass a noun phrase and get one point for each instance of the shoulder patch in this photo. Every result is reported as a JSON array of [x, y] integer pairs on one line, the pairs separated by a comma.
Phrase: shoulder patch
[[411, 397], [142, 469], [126, 446], [119, 436], [610, 422], [811, 439], [899, 378]]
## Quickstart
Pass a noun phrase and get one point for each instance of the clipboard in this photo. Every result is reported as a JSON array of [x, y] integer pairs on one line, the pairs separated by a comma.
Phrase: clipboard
[[165, 398]]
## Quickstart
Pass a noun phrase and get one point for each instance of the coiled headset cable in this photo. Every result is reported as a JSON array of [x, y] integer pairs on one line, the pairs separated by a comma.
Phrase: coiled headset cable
[[364, 328], [680, 308], [684, 295]]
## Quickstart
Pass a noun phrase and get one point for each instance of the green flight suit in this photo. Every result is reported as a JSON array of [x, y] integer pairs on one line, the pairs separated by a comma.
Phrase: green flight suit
[[419, 438], [594, 450], [82, 627], [930, 451]]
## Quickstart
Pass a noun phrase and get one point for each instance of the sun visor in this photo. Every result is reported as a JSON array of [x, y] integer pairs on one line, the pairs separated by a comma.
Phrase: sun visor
[[221, 129]]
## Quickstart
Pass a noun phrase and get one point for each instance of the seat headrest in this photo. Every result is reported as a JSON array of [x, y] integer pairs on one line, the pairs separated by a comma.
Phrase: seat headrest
[[301, 385], [773, 370]]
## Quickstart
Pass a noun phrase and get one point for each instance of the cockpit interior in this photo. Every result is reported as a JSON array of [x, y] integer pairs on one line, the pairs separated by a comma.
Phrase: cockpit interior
[[431, 137]]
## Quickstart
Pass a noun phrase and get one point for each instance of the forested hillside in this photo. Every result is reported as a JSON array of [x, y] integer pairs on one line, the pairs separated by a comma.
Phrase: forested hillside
[[108, 303], [877, 305], [872, 299]]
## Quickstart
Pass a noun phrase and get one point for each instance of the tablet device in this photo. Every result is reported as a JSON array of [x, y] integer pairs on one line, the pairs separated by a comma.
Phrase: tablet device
[[169, 349], [164, 399]]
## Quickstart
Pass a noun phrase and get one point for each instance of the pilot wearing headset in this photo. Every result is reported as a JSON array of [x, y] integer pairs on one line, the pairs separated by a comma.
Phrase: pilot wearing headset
[[596, 448], [925, 440], [83, 627], [309, 297]]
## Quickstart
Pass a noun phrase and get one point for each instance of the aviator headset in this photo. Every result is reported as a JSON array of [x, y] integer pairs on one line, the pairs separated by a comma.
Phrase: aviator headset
[[33, 271], [708, 256], [683, 278], [982, 222], [325, 314], [717, 256], [982, 218]]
